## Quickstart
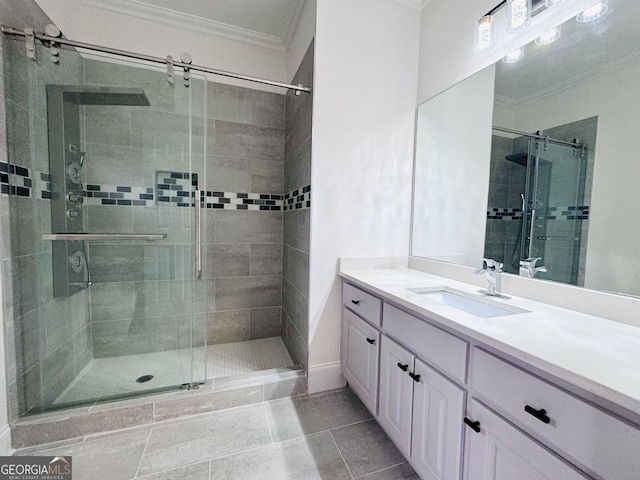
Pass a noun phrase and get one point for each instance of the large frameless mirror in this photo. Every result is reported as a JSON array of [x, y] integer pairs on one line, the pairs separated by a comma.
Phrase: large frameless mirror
[[537, 159]]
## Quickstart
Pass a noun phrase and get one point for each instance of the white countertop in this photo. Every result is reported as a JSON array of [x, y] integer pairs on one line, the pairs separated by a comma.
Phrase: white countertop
[[595, 354]]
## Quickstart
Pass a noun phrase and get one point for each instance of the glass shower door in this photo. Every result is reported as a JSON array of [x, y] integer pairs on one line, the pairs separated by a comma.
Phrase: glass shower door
[[554, 209], [127, 153]]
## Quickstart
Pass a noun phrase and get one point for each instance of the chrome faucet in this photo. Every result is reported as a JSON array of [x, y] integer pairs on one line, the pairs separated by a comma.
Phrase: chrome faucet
[[528, 267], [493, 267]]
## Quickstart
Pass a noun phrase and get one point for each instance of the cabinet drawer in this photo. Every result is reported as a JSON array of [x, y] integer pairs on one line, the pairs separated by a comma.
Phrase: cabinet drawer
[[363, 303], [589, 436], [498, 451], [439, 348]]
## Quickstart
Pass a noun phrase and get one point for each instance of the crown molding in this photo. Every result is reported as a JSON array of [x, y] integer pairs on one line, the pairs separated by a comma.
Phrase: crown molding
[[293, 23], [505, 102], [576, 80], [191, 22], [419, 4]]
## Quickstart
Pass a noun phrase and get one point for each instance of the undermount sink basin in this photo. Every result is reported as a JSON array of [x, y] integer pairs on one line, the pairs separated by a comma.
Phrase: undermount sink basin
[[483, 307]]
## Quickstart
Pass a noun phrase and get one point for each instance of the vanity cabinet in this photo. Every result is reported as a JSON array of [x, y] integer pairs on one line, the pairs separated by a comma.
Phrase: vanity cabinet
[[421, 411], [396, 393], [419, 408], [436, 439], [587, 435], [427, 387], [360, 357], [498, 451]]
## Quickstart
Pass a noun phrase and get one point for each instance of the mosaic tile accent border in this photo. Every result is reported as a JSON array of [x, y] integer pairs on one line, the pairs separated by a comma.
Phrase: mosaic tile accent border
[[117, 195], [15, 180], [504, 214], [572, 212], [241, 201], [297, 199], [172, 189]]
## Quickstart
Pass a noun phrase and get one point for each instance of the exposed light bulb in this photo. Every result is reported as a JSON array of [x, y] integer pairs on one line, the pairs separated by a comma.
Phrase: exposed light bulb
[[549, 37], [594, 12], [554, 3], [514, 56], [485, 34], [518, 14]]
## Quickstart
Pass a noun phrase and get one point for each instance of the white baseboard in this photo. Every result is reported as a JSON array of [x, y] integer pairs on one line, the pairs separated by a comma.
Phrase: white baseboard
[[5, 442], [326, 376]]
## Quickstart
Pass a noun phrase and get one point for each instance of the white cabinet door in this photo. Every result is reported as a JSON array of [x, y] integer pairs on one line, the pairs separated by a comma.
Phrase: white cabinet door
[[396, 393], [501, 452], [360, 357], [436, 441]]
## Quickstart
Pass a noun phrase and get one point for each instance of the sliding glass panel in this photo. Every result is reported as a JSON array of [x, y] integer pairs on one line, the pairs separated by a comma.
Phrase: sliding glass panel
[[104, 147], [556, 197]]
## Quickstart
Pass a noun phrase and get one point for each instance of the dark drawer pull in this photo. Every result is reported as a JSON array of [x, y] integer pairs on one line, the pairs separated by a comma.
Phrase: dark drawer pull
[[539, 414], [402, 367], [475, 426], [372, 341], [416, 378], [355, 302]]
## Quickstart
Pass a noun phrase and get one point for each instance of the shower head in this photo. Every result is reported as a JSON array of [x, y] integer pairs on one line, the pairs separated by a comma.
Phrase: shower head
[[130, 97], [520, 158]]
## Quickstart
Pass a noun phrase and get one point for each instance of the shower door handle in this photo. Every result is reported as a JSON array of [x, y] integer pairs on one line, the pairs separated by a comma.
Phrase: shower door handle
[[198, 235]]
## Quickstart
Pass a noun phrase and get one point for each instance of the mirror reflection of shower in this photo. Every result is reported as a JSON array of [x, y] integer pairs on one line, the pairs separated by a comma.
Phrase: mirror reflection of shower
[[66, 163], [538, 202]]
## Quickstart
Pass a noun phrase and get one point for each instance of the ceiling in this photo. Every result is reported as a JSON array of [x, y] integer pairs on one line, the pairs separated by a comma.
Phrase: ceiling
[[582, 51], [272, 17], [265, 23]]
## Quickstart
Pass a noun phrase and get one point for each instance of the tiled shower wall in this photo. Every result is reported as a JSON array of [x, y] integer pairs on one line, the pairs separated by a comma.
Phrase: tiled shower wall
[[47, 340], [242, 176], [142, 294], [244, 247], [295, 279], [506, 182], [255, 172]]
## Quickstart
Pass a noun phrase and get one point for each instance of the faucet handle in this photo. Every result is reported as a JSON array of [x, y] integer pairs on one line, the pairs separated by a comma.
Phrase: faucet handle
[[530, 262], [493, 265]]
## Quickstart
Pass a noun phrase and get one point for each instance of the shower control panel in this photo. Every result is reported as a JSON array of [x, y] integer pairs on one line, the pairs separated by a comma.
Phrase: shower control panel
[[65, 168], [67, 171]]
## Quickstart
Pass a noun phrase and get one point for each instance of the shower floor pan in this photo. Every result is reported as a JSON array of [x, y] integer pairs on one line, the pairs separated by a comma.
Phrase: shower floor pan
[[105, 377]]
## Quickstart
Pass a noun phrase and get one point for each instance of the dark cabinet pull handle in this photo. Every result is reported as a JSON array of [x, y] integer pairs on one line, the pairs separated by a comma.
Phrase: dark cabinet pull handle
[[402, 367], [355, 302], [416, 378], [372, 341], [539, 414], [475, 426]]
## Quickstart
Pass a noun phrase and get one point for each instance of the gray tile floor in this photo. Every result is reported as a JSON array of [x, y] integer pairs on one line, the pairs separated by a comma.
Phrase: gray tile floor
[[325, 436]]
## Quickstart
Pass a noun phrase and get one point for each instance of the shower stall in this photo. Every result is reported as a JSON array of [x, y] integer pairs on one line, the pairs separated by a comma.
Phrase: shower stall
[[148, 213], [538, 203]]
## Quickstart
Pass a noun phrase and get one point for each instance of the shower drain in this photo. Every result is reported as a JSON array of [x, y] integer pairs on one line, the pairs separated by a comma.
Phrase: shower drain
[[144, 378]]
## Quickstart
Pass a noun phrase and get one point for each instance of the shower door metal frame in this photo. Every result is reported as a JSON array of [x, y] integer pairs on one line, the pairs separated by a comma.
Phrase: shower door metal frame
[[48, 40]]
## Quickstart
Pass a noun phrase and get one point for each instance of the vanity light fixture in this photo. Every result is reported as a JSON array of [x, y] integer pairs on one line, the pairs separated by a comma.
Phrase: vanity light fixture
[[518, 14], [549, 37], [514, 56], [594, 12], [485, 34]]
